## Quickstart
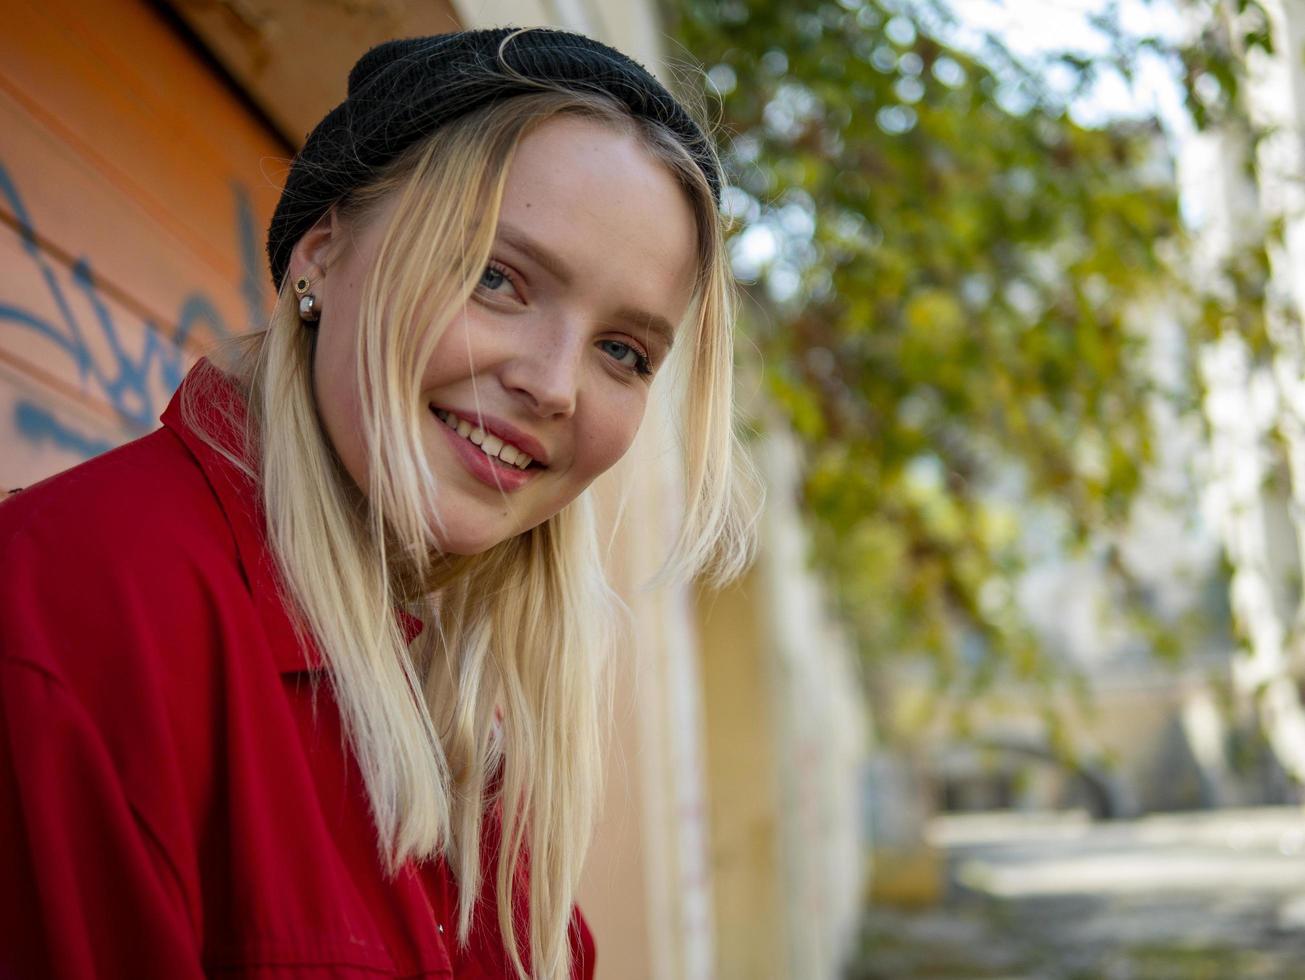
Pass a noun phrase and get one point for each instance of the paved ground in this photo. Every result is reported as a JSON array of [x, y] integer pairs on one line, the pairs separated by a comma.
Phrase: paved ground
[[1208, 896]]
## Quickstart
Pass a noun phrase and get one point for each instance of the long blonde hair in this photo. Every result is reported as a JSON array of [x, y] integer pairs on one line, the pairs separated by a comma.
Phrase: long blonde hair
[[499, 702]]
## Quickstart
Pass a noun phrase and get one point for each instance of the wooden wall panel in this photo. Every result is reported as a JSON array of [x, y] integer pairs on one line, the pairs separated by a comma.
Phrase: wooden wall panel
[[74, 213], [134, 191], [83, 345], [293, 56]]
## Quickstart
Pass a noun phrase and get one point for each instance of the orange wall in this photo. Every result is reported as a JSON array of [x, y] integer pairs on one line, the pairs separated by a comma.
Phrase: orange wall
[[134, 189]]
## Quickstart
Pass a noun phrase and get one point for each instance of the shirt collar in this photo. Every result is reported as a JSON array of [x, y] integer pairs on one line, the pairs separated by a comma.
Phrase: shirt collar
[[214, 401]]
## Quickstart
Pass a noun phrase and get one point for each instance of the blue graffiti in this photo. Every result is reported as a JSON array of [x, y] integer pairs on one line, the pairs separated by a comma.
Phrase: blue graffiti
[[36, 423], [248, 240], [126, 382]]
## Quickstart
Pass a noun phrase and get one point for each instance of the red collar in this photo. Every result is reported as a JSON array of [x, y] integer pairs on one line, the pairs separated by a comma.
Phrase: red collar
[[220, 407]]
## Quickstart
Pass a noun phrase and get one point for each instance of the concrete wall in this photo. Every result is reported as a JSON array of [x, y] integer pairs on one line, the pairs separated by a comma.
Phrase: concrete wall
[[787, 747], [743, 754]]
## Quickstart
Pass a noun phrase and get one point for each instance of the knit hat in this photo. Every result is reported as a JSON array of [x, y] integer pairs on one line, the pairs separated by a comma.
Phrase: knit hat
[[403, 90]]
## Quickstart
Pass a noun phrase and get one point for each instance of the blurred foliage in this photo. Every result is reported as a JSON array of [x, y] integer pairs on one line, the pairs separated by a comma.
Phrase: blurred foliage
[[944, 269]]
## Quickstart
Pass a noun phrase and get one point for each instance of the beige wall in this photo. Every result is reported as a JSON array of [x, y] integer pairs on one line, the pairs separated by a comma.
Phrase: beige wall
[[646, 889], [742, 766], [788, 738]]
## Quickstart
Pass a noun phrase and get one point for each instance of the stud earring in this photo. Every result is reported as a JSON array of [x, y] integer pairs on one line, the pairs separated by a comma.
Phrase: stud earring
[[309, 310]]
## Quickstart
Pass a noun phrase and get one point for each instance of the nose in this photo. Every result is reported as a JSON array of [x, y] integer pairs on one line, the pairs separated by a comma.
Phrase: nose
[[546, 376]]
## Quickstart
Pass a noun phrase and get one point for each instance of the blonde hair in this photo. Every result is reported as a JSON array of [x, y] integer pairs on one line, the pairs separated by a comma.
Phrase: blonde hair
[[499, 703]]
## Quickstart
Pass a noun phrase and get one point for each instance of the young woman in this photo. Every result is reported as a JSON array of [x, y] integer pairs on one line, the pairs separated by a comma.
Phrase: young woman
[[308, 682]]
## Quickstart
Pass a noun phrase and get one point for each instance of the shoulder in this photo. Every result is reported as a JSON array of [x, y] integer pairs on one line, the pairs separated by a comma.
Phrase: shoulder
[[147, 503], [143, 500], [121, 594], [124, 551]]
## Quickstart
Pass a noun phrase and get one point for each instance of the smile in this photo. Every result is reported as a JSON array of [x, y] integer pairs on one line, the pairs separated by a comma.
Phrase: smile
[[491, 445]]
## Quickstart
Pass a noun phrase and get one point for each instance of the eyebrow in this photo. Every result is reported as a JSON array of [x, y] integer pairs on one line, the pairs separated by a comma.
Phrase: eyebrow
[[538, 253], [554, 265], [649, 321]]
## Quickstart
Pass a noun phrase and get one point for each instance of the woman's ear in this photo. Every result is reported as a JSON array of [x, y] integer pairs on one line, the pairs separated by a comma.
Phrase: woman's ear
[[315, 248]]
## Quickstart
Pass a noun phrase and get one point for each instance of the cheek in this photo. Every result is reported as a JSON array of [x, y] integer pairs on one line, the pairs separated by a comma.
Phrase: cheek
[[609, 433], [453, 356]]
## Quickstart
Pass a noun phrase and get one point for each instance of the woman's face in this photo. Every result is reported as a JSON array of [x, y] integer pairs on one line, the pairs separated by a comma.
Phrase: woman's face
[[540, 383]]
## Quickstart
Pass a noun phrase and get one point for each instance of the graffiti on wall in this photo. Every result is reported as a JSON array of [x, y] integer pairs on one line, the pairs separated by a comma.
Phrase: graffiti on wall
[[127, 380]]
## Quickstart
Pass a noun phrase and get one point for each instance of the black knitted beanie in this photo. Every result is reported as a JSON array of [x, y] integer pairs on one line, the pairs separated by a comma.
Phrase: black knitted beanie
[[403, 90]]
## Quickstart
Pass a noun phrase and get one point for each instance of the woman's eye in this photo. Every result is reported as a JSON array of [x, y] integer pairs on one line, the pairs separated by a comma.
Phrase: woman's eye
[[495, 280], [627, 356]]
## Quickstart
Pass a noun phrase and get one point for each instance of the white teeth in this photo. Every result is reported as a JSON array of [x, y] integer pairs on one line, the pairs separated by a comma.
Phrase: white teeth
[[491, 445]]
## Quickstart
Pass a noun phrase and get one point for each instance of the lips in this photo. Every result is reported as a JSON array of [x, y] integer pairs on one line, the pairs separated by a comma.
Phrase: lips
[[491, 445], [491, 468]]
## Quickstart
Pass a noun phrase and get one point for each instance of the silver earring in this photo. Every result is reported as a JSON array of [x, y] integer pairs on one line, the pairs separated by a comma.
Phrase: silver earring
[[309, 310]]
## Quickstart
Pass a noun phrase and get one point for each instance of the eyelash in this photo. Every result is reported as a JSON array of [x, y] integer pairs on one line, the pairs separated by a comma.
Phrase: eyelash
[[642, 364], [503, 271]]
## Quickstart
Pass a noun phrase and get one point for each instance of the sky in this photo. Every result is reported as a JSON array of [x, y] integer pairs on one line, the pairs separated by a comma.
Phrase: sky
[[1038, 27], [1032, 29]]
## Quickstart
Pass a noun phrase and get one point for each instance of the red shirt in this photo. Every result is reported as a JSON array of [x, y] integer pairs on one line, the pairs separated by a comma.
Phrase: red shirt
[[170, 806]]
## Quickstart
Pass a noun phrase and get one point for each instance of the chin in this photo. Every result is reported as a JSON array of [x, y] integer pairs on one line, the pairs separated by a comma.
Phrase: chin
[[465, 536], [466, 547], [466, 542]]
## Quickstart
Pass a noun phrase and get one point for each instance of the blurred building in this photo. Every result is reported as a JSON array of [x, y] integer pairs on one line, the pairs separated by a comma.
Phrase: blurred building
[[1225, 724], [1253, 164], [145, 144]]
